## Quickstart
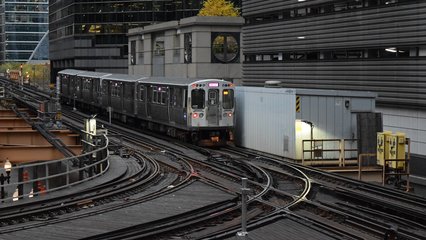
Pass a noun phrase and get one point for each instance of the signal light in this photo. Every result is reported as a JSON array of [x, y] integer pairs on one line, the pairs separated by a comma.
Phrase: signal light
[[229, 114], [225, 92], [195, 115]]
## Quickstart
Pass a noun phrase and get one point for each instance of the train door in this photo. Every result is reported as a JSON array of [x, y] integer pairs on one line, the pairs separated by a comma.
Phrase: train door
[[213, 107]]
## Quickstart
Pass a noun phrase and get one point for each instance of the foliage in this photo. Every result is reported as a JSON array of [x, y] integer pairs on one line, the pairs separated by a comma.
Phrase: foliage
[[37, 73], [218, 8]]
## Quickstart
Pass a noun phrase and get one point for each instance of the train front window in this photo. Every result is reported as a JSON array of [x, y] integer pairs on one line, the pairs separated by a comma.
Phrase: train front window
[[228, 98], [197, 98], [213, 96]]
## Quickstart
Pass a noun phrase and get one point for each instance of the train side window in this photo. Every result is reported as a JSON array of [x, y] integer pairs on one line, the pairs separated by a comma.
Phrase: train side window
[[113, 91], [142, 93], [155, 96], [163, 97], [117, 90], [179, 96], [105, 88], [228, 98], [185, 98], [86, 84], [175, 97], [128, 92], [197, 98], [96, 87]]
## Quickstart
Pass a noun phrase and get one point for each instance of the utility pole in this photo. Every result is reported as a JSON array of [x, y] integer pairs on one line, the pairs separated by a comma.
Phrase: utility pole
[[244, 192]]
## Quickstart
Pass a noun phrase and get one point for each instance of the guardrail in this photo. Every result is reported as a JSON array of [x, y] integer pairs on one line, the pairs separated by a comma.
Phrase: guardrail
[[317, 148], [39, 178]]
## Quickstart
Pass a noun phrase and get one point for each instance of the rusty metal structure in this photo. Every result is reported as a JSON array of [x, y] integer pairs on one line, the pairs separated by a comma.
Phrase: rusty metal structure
[[45, 159]]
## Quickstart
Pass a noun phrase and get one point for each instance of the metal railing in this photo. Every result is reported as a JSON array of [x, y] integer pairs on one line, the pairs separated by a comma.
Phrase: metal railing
[[34, 179], [387, 170], [317, 148]]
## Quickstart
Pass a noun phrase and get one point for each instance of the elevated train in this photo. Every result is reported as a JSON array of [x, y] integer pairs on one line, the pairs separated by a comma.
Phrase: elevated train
[[200, 111]]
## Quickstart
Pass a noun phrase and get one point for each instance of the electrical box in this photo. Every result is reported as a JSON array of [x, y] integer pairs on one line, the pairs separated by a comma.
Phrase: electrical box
[[397, 149], [383, 147]]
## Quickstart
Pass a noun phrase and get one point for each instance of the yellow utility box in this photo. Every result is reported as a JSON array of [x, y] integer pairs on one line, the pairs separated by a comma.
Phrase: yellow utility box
[[397, 149], [382, 147]]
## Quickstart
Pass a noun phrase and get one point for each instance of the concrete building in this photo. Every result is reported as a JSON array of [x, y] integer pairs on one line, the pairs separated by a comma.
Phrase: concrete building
[[23, 31], [367, 45], [92, 35], [206, 47]]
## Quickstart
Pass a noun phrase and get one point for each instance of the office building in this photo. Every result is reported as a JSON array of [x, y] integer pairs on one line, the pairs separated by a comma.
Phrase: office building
[[23, 31]]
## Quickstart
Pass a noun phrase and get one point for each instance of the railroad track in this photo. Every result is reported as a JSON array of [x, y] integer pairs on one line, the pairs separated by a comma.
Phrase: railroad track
[[215, 175], [346, 208], [324, 203]]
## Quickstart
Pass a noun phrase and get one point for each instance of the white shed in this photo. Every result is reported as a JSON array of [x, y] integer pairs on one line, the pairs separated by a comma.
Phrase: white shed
[[277, 120]]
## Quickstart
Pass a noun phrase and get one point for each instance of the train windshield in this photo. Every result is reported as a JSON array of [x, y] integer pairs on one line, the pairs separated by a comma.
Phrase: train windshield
[[213, 97], [197, 98], [228, 98]]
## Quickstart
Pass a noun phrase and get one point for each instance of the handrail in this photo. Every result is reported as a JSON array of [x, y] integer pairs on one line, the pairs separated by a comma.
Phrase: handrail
[[341, 150], [103, 166], [360, 158]]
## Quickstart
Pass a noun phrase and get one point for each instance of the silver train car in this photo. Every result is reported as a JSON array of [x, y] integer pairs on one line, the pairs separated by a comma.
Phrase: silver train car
[[200, 111]]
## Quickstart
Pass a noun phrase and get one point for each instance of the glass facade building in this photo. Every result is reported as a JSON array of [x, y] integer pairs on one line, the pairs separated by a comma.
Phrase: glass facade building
[[92, 35], [23, 30]]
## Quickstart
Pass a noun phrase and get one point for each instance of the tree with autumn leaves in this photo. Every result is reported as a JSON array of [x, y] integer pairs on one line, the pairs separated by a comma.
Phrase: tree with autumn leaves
[[218, 8]]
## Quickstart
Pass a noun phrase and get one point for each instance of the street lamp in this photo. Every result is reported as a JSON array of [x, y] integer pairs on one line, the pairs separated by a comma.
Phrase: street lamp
[[8, 168]]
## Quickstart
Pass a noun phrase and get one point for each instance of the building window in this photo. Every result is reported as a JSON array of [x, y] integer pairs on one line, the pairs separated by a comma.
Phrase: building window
[[159, 48], [326, 8], [341, 54], [141, 52], [188, 47], [176, 48], [225, 47], [133, 52]]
